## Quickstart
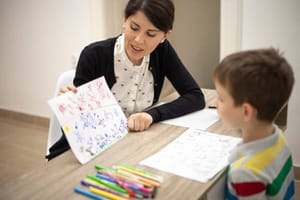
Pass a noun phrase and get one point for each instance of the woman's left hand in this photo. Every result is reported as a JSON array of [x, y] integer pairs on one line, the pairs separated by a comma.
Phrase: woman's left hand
[[139, 121]]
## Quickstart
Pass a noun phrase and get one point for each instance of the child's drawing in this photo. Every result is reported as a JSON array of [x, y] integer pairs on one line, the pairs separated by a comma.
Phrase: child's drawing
[[91, 119]]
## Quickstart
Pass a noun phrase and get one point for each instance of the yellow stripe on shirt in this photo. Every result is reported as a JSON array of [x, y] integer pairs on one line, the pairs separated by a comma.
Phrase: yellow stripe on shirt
[[238, 163], [265, 157]]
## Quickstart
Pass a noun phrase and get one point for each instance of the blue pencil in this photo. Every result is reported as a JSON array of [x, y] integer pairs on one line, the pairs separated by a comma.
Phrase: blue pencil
[[88, 194]]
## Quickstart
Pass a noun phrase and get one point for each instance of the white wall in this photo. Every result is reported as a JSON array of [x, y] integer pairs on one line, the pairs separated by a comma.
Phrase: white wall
[[231, 27], [276, 23], [37, 41]]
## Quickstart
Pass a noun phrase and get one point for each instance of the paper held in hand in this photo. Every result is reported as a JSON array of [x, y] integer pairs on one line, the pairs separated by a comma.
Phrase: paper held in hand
[[91, 118]]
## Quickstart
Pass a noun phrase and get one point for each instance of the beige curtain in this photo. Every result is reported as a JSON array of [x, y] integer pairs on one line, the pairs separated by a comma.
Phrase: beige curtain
[[106, 18]]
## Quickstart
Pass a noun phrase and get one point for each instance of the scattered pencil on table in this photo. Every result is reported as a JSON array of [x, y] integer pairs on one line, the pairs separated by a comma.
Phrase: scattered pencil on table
[[119, 182]]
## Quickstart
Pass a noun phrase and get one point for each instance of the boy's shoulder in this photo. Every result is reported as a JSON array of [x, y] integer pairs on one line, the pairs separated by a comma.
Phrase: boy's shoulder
[[258, 155], [263, 158]]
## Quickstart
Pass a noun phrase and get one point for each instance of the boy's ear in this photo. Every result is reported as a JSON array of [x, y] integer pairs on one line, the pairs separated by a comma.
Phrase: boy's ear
[[249, 112]]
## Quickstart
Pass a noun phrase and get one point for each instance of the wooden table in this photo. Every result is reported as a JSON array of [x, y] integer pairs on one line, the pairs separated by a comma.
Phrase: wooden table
[[57, 178]]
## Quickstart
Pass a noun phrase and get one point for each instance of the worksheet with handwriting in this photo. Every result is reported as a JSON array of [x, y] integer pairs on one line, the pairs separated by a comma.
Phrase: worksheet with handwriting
[[195, 154]]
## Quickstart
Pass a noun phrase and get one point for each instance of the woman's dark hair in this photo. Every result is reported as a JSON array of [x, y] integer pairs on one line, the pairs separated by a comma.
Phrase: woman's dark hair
[[159, 12]]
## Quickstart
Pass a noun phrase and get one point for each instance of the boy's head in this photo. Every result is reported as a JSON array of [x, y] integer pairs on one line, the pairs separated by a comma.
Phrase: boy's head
[[260, 78]]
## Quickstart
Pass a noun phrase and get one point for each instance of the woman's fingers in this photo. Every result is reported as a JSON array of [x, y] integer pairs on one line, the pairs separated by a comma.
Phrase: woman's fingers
[[139, 121], [67, 89]]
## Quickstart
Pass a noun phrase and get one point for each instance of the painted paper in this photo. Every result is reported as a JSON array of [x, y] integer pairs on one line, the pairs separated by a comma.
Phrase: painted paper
[[91, 118]]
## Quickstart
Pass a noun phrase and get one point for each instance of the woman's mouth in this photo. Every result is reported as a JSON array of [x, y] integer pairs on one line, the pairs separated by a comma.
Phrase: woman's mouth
[[136, 49]]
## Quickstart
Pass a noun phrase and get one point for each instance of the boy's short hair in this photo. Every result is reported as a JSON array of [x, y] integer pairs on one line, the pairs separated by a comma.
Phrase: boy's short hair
[[260, 77]]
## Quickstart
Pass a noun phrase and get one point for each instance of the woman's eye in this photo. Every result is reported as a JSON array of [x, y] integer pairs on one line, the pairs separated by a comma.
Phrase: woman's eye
[[134, 28], [151, 34]]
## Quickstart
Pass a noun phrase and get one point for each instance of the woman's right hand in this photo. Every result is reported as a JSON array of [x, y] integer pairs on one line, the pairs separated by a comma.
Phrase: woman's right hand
[[139, 121], [68, 88]]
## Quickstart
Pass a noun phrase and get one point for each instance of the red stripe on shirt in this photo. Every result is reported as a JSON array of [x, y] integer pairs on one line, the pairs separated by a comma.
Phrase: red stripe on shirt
[[248, 188]]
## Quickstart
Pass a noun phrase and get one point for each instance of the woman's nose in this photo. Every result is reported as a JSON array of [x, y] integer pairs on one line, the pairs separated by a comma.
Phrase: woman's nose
[[139, 38]]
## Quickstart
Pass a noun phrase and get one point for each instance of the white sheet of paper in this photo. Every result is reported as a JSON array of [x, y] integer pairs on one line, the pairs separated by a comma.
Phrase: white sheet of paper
[[201, 119], [92, 119], [195, 154]]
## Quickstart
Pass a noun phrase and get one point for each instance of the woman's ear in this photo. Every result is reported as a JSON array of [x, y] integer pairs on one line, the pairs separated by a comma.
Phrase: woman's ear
[[249, 112], [168, 33], [166, 36]]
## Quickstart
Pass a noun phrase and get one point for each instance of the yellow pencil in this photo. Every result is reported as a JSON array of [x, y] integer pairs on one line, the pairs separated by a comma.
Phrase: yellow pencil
[[141, 179], [140, 172], [94, 182], [106, 194]]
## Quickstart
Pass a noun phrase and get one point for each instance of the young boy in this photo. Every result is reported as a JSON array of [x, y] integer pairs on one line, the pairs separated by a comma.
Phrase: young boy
[[252, 87]]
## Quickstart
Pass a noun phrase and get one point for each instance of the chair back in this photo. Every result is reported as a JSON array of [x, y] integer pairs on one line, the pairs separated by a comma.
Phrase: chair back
[[55, 133]]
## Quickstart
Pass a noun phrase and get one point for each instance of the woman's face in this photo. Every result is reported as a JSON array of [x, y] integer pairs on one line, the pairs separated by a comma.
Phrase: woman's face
[[141, 37]]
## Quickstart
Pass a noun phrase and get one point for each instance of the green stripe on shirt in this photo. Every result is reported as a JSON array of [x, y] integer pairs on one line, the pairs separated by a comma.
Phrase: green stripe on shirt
[[275, 186]]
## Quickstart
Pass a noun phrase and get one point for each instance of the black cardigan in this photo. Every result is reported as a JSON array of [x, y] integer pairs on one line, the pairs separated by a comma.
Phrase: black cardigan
[[97, 59]]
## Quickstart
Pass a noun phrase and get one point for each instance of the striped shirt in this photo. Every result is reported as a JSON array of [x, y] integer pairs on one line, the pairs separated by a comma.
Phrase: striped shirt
[[261, 170]]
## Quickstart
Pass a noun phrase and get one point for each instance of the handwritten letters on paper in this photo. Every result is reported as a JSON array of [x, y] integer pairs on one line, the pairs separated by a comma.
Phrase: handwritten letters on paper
[[91, 119], [195, 154]]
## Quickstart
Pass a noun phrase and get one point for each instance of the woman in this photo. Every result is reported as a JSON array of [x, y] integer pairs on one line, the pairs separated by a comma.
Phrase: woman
[[136, 62]]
